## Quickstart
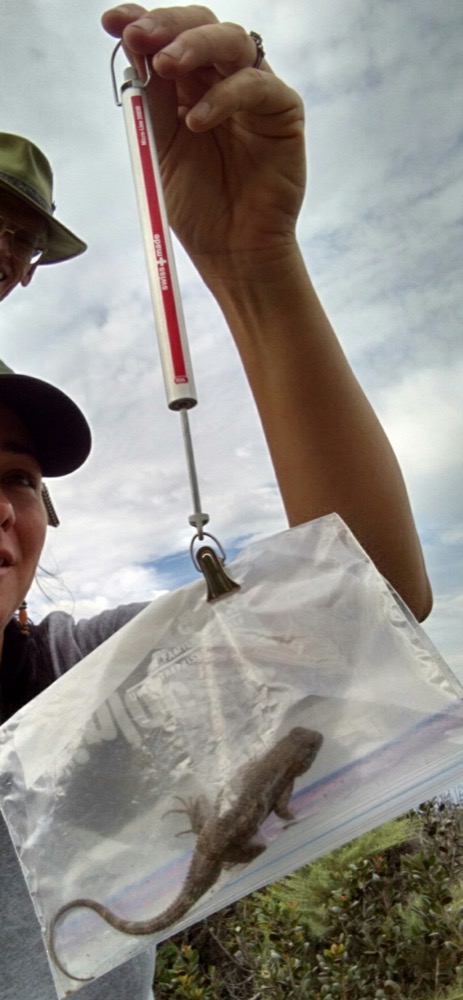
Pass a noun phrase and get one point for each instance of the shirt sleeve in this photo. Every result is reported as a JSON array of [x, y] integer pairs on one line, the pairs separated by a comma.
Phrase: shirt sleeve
[[69, 641]]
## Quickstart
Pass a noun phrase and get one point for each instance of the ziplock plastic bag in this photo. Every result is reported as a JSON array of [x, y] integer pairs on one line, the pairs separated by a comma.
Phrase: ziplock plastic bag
[[152, 735]]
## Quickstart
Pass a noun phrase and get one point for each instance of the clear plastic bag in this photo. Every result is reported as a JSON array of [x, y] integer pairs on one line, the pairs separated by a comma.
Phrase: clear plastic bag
[[165, 717]]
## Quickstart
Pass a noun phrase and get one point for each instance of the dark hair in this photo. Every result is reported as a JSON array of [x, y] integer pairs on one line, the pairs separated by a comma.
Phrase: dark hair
[[26, 669]]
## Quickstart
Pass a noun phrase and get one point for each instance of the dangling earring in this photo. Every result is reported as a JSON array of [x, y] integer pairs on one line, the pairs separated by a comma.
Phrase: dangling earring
[[23, 619], [52, 516]]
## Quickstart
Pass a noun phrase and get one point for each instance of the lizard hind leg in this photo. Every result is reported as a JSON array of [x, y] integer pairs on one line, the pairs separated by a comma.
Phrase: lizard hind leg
[[281, 806], [243, 854]]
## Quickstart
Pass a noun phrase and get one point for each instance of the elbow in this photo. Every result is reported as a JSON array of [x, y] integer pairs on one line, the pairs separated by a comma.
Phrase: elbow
[[414, 589], [420, 600], [426, 604]]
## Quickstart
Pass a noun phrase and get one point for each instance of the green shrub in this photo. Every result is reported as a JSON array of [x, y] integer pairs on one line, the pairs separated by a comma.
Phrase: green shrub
[[379, 918]]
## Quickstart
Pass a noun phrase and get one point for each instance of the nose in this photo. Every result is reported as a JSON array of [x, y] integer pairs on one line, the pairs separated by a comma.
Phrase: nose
[[7, 514]]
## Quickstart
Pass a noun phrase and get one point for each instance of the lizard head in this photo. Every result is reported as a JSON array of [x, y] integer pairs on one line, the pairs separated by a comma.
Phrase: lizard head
[[307, 743]]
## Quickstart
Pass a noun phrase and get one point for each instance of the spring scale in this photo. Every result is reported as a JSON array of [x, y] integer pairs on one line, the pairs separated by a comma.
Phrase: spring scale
[[167, 305]]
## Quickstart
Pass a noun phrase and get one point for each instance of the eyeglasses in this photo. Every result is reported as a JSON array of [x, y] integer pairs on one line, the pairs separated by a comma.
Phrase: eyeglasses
[[23, 244]]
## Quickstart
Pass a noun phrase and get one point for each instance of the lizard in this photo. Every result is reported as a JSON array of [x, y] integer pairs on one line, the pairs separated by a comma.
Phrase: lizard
[[224, 830]]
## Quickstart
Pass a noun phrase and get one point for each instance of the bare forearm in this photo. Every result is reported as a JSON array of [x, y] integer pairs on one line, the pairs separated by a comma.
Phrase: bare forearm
[[328, 448]]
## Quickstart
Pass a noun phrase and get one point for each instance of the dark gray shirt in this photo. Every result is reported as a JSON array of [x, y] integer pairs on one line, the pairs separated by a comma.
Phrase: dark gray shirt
[[24, 969]]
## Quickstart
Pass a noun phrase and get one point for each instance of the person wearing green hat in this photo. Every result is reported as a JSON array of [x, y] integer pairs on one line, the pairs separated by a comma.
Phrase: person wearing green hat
[[30, 234]]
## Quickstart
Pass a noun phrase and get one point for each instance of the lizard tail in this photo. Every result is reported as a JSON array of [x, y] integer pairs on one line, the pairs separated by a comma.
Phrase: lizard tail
[[177, 909], [52, 947], [126, 926], [119, 923]]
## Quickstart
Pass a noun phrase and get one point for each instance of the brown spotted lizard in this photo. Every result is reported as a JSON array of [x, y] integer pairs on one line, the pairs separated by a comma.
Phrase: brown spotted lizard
[[225, 831]]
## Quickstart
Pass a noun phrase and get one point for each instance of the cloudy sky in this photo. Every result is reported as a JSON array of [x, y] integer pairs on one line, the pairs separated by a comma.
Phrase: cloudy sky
[[381, 232]]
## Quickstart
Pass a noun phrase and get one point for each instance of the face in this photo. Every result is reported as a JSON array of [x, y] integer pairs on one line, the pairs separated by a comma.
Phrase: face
[[12, 270], [23, 520]]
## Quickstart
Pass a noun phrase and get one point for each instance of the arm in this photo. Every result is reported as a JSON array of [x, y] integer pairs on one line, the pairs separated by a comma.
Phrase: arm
[[244, 160]]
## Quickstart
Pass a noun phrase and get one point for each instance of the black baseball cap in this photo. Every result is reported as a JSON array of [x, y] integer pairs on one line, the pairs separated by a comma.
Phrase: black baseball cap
[[57, 426]]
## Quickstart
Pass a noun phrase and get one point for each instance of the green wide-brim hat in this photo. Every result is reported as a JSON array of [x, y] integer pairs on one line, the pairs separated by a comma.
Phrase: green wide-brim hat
[[26, 173], [58, 429]]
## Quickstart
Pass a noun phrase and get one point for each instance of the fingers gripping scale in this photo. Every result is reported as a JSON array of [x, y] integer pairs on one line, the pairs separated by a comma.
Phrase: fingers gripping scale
[[166, 300]]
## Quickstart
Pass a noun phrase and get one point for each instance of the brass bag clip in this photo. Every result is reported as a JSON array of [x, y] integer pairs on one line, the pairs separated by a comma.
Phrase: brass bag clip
[[211, 565]]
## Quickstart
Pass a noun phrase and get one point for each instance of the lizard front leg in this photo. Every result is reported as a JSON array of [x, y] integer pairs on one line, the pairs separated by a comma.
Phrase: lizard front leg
[[198, 810], [281, 806]]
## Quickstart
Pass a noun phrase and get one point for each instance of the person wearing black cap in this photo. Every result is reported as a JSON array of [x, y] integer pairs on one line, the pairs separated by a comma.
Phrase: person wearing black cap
[[30, 235], [41, 431]]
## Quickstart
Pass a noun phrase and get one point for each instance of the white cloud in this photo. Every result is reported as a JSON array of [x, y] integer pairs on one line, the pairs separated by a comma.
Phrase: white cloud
[[423, 415]]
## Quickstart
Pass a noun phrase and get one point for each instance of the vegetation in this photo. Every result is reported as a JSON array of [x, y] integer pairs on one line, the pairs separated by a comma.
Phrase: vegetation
[[379, 918]]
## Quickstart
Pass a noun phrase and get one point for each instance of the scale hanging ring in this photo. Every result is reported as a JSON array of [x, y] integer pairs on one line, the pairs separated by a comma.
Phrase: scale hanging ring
[[144, 83], [204, 534]]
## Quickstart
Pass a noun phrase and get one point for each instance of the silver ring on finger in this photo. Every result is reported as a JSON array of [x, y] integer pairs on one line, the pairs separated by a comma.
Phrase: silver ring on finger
[[260, 56]]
